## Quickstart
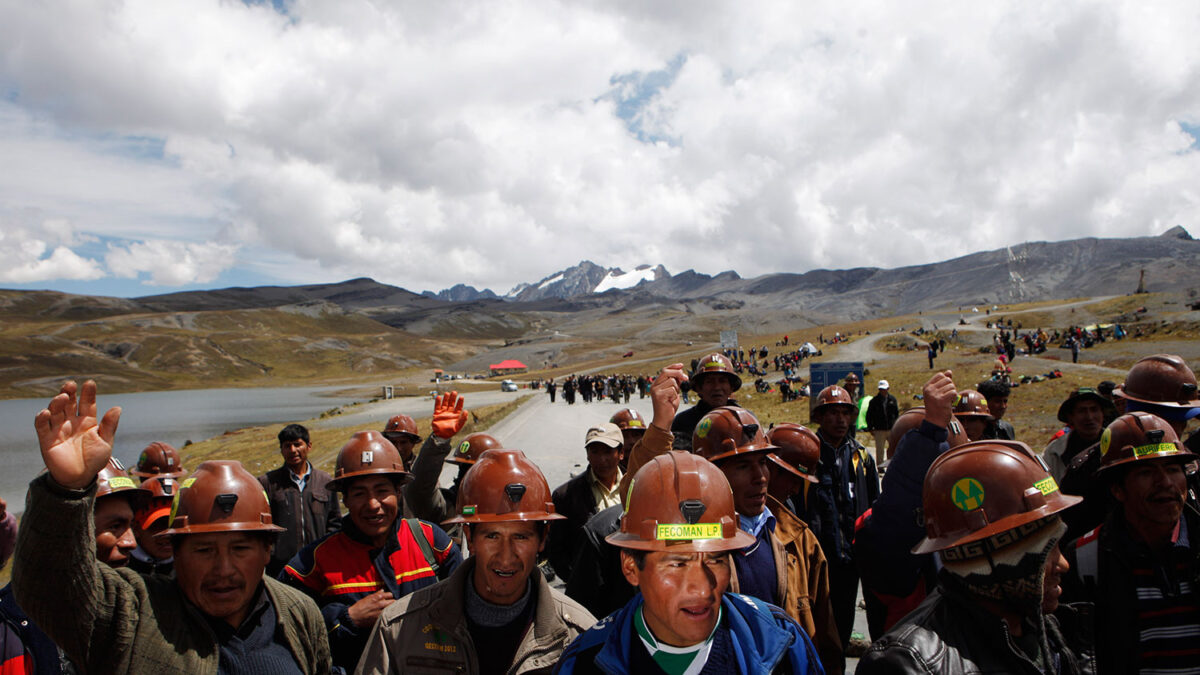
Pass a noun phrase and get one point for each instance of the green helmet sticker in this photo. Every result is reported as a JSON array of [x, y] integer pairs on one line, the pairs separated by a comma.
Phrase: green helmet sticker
[[464, 447], [704, 426], [967, 494]]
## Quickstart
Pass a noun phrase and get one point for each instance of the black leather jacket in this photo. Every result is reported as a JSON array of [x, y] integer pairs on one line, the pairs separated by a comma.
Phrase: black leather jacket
[[949, 633]]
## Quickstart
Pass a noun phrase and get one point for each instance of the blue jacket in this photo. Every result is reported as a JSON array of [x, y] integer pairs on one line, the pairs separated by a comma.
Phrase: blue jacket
[[764, 640]]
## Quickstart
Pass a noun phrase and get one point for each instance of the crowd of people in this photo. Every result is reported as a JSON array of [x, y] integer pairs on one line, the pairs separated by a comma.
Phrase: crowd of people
[[588, 388], [697, 541]]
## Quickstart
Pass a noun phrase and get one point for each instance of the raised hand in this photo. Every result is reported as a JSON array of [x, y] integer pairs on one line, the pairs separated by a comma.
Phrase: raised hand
[[448, 415], [939, 395], [74, 445], [666, 395]]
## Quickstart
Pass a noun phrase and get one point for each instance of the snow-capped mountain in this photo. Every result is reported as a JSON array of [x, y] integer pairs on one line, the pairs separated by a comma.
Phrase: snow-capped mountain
[[584, 279]]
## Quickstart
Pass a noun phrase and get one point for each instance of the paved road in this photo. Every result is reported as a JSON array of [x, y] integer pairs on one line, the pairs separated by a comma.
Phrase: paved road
[[551, 435], [368, 415]]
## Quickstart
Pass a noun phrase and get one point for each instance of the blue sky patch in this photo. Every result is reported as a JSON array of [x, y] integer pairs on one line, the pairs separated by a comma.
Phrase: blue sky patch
[[633, 91], [1192, 130], [280, 6]]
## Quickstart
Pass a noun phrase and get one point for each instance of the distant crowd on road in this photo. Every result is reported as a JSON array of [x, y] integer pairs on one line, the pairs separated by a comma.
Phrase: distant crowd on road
[[702, 540]]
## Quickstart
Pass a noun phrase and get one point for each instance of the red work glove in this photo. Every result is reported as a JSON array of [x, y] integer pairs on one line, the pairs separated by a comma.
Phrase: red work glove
[[448, 415]]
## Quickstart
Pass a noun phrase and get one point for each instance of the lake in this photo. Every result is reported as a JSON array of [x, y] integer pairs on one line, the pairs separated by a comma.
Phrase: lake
[[171, 416]]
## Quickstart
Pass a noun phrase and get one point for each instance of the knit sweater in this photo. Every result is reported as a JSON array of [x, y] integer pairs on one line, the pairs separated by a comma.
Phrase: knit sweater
[[118, 621]]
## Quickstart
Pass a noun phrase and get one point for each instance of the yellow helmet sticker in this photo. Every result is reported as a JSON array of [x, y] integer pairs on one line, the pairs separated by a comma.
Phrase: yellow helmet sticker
[[464, 447], [1046, 485], [120, 482], [1105, 441], [678, 532], [1138, 452], [703, 428]]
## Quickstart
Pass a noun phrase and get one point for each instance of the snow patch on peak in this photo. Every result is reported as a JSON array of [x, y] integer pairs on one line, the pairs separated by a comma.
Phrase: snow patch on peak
[[618, 279], [551, 280]]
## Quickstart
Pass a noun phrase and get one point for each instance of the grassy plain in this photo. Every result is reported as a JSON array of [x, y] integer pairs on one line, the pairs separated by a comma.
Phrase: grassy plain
[[258, 450]]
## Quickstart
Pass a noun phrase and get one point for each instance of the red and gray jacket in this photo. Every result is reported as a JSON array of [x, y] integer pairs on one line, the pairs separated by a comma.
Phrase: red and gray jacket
[[344, 567]]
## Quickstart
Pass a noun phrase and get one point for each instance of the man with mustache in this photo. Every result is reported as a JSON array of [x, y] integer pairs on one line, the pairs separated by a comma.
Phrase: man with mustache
[[218, 614], [1140, 566], [496, 613]]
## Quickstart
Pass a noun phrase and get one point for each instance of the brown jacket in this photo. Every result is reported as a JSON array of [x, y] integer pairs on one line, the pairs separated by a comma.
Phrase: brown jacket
[[118, 621], [800, 565], [426, 631], [803, 582]]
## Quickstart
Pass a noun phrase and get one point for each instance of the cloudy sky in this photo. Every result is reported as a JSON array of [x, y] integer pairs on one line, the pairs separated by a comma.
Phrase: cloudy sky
[[157, 145]]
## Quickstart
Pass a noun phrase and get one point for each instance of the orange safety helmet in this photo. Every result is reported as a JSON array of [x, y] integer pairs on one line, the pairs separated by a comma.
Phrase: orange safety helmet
[[629, 419], [1160, 379], [680, 502], [367, 453], [162, 496], [984, 488], [472, 447], [799, 450], [831, 396], [159, 459], [114, 480], [1139, 437], [503, 485], [402, 424], [715, 364], [971, 403], [221, 496], [728, 431]]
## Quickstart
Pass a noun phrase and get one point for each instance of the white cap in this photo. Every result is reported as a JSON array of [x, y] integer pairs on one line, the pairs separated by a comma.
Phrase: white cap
[[883, 384]]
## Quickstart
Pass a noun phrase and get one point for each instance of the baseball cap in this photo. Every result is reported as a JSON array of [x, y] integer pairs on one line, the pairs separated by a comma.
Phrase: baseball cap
[[883, 384], [607, 433]]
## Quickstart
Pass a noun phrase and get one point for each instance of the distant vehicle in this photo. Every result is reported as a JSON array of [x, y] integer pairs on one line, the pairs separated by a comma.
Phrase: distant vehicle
[[508, 385], [627, 355]]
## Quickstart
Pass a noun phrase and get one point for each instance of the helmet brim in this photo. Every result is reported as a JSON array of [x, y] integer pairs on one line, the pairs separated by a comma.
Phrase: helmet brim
[[778, 461], [932, 545], [631, 541]]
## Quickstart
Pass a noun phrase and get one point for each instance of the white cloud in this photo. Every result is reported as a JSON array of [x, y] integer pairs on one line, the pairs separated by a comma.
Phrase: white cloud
[[41, 252], [431, 144], [170, 263]]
